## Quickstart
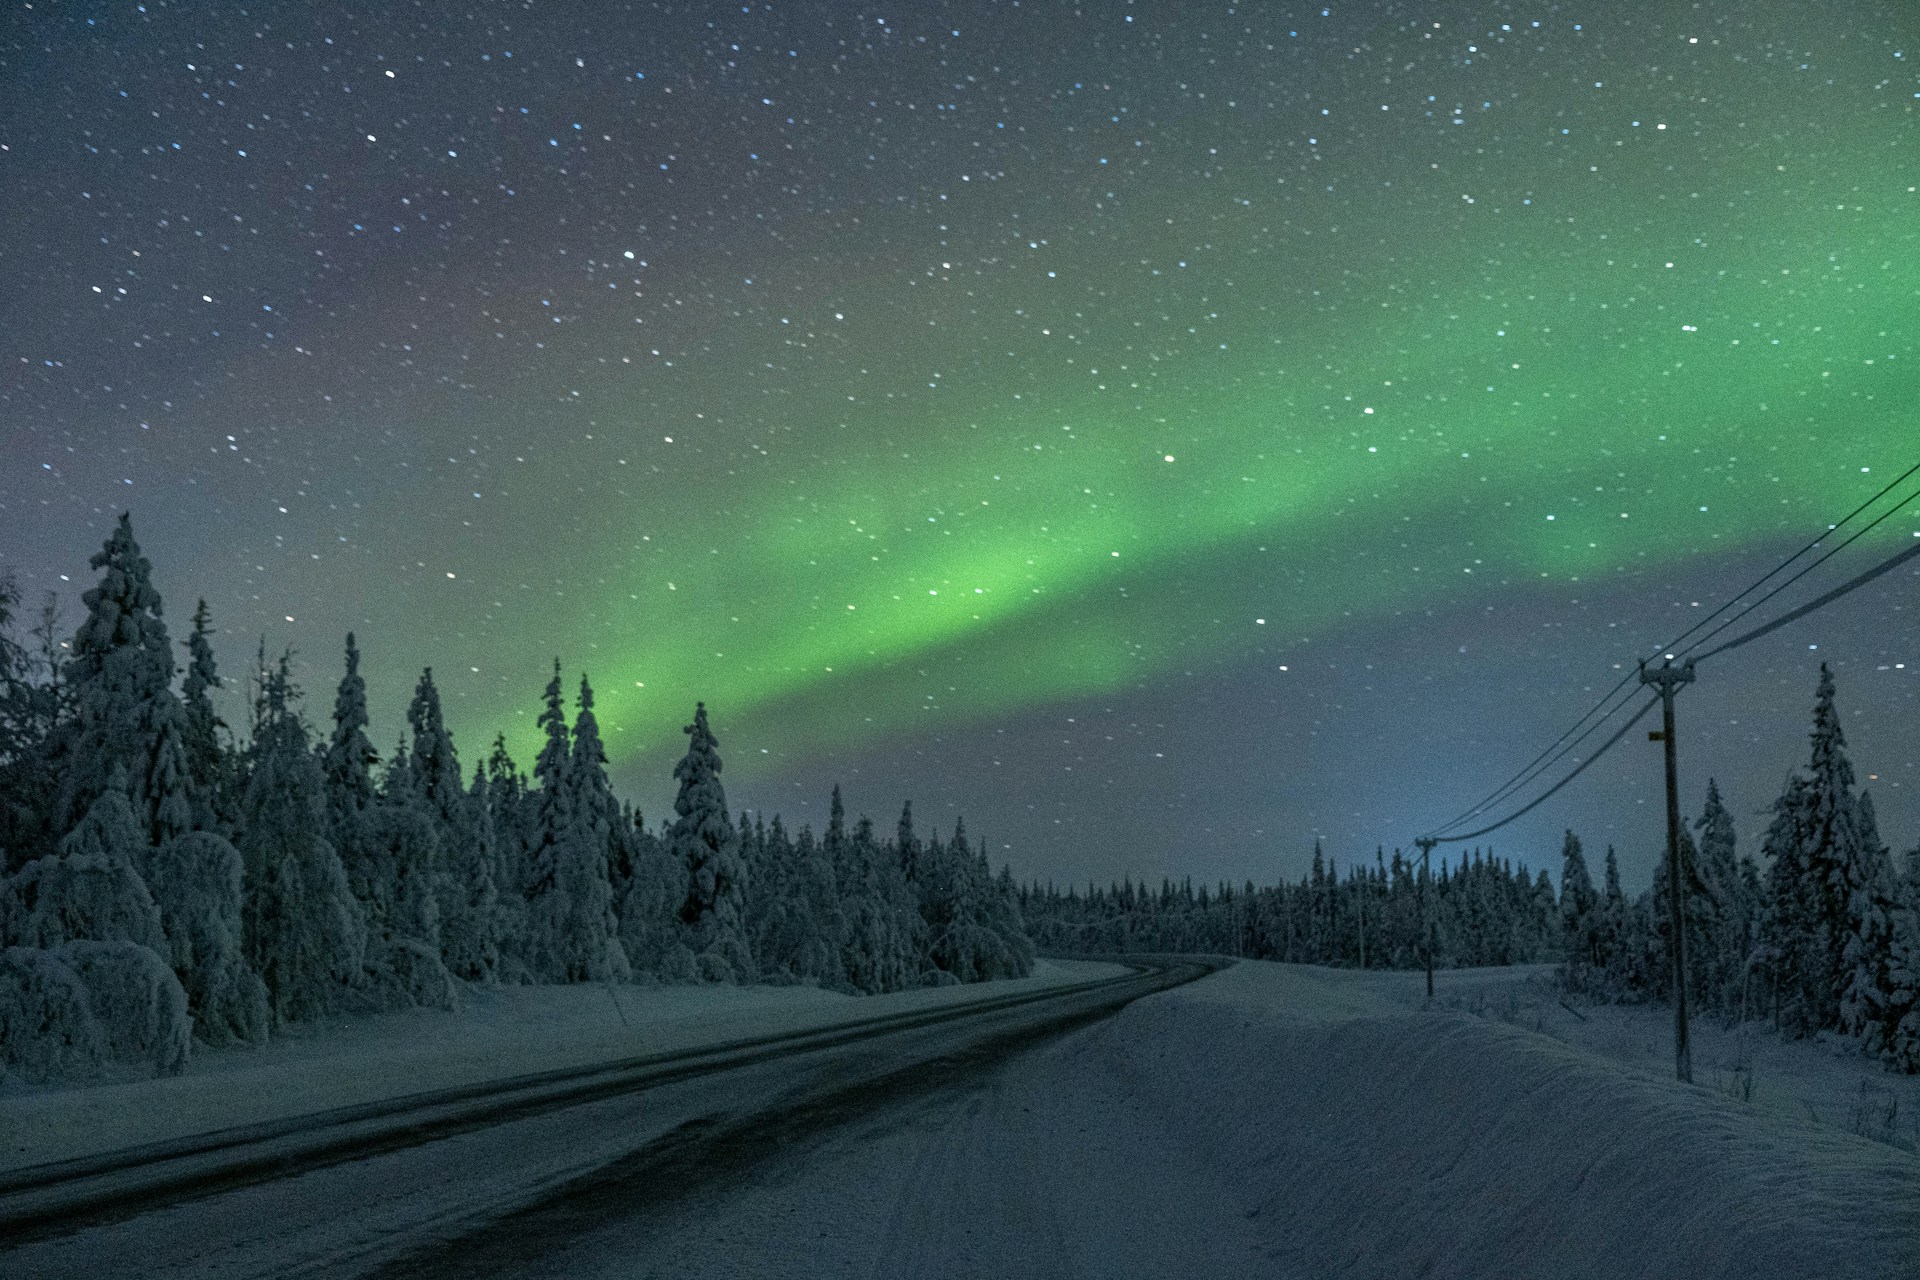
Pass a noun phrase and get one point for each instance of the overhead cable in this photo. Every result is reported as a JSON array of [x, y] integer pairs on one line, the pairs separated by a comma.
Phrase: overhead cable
[[1605, 747]]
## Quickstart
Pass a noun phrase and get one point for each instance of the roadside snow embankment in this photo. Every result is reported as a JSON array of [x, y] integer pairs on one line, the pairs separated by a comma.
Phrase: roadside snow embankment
[[502, 1032], [1375, 1140]]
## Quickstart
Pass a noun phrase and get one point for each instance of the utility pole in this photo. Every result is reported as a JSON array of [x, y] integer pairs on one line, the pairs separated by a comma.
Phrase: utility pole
[[1668, 678], [1426, 844]]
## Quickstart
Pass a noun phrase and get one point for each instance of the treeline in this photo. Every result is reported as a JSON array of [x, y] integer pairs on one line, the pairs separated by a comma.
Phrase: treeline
[[1482, 910], [1821, 933], [164, 881]]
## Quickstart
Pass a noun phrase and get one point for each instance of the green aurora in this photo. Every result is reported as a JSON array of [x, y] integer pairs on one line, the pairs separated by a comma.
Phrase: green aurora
[[1454, 400]]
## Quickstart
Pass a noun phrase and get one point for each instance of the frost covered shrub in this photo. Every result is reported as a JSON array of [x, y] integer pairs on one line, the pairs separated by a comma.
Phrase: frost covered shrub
[[137, 1003], [47, 1027], [197, 880]]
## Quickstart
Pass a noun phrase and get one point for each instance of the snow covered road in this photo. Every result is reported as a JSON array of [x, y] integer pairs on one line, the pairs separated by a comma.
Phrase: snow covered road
[[426, 1180]]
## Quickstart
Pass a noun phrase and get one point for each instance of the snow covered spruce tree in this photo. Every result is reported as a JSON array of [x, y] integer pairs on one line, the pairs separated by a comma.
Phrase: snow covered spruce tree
[[885, 930], [864, 941], [129, 739], [596, 812], [210, 758], [1723, 912], [32, 700], [93, 887], [1903, 971], [85, 979], [1829, 887], [125, 713], [703, 840], [305, 932], [463, 876], [573, 934], [1579, 923], [803, 939], [200, 891], [510, 810]]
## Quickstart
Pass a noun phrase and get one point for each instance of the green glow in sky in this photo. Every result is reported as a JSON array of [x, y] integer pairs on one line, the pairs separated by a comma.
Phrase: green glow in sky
[[1587, 404]]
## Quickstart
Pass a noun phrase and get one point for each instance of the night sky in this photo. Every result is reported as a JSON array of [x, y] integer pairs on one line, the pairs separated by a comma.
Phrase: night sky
[[1164, 433]]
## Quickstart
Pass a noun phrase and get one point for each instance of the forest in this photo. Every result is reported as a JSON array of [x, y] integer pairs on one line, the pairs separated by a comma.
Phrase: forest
[[1819, 934], [167, 880]]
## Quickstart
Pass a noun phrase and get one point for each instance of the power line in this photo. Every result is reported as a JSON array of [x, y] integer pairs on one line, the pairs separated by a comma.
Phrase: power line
[[1862, 580], [1619, 733], [1855, 536], [1556, 750], [1756, 583], [1540, 763]]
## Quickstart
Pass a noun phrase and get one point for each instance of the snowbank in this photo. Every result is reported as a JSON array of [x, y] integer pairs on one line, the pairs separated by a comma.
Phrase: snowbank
[[1372, 1139], [501, 1032]]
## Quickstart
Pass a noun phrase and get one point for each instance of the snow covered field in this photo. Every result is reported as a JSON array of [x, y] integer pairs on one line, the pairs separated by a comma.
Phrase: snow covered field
[[501, 1032]]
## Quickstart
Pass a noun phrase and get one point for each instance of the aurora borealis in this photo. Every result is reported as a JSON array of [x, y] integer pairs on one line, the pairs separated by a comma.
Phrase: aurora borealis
[[1165, 433]]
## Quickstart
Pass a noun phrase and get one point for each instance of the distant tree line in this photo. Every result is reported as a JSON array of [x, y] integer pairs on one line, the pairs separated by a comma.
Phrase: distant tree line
[[1820, 934], [162, 880], [1482, 910]]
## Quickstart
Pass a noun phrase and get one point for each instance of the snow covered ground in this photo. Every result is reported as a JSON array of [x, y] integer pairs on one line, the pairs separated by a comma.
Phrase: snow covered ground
[[1827, 1082], [501, 1032], [1269, 1120], [1289, 1121]]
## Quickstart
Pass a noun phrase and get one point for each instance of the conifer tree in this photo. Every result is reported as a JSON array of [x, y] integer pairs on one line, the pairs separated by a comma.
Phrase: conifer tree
[[1903, 972], [1871, 1003], [651, 933], [573, 932], [209, 761], [350, 754], [1829, 888], [1793, 945], [819, 923], [510, 810], [405, 953], [907, 844], [595, 809], [351, 795], [93, 889], [32, 711], [199, 892], [463, 877], [305, 933], [703, 840], [547, 912], [125, 712], [1720, 914]]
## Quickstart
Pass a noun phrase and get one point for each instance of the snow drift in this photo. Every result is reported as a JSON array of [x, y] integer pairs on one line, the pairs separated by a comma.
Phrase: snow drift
[[1374, 1141]]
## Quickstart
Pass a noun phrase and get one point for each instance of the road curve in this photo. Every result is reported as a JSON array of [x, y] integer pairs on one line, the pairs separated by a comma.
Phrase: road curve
[[503, 1166]]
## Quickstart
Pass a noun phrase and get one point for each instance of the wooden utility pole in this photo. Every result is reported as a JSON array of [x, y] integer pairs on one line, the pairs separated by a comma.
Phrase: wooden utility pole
[[1426, 844], [1668, 678]]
